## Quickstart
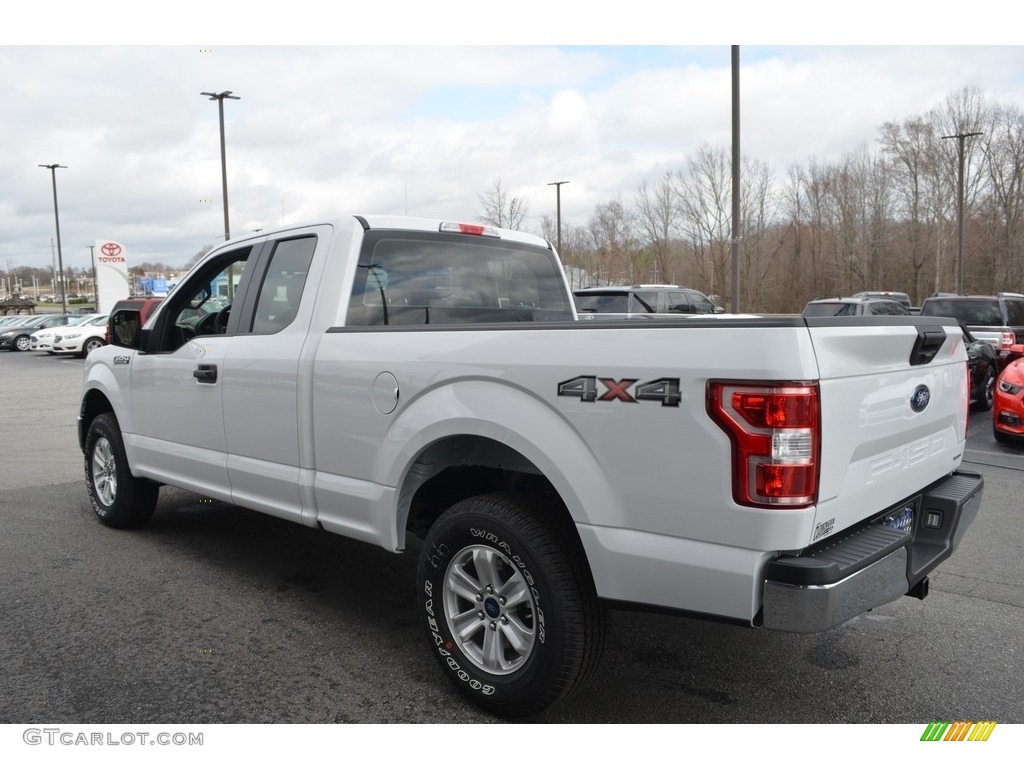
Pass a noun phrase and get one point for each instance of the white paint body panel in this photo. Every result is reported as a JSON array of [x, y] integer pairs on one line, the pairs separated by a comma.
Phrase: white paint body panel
[[291, 427]]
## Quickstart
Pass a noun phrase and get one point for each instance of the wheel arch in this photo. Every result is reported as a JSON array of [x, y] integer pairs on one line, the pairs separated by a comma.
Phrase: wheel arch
[[94, 402], [534, 449], [494, 428]]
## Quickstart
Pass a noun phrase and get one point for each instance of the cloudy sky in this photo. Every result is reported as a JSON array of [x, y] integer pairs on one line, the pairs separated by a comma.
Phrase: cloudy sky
[[413, 128]]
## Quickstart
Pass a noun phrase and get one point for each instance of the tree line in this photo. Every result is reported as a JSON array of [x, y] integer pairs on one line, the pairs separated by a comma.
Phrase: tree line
[[878, 218]]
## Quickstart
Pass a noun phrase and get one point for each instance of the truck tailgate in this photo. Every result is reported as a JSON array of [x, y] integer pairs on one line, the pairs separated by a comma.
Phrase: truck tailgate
[[894, 401]]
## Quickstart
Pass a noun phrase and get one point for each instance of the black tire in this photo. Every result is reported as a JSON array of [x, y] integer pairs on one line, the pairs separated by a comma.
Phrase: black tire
[[520, 657], [987, 395], [22, 344], [1002, 437], [119, 499]]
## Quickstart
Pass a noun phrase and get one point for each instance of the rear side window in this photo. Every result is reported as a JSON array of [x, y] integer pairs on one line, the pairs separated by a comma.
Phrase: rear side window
[[279, 297], [1014, 312], [679, 301], [603, 302], [645, 301], [410, 278]]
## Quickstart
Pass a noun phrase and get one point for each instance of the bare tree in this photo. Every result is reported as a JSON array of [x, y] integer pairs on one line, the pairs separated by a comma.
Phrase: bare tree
[[963, 112], [759, 259], [918, 192], [1003, 145], [613, 238], [706, 203], [656, 222], [501, 209]]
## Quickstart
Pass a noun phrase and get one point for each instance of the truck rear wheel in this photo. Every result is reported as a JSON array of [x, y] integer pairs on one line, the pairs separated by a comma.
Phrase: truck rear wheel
[[508, 604], [119, 499]]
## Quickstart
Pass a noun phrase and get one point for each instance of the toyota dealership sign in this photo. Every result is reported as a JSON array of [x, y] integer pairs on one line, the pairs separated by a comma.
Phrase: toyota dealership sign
[[112, 283]]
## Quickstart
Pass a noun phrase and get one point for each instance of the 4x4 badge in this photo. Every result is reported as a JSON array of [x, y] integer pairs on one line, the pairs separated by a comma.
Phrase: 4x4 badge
[[920, 399]]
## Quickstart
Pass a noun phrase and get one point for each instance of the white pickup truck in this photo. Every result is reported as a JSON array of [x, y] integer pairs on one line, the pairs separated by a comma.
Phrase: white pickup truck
[[384, 378]]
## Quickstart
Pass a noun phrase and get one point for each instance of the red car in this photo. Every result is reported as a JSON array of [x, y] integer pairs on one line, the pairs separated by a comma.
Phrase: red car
[[1008, 408]]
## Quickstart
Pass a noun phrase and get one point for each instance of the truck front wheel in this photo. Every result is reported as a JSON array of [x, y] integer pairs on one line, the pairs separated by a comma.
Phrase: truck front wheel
[[119, 499], [508, 604]]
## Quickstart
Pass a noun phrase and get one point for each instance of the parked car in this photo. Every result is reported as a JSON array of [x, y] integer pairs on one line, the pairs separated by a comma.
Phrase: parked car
[[628, 300], [18, 337], [9, 320], [997, 319], [42, 340], [983, 363], [899, 296], [852, 306], [83, 338], [1008, 408]]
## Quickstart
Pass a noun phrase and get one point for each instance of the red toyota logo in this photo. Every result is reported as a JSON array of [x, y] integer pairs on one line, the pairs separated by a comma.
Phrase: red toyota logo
[[110, 249]]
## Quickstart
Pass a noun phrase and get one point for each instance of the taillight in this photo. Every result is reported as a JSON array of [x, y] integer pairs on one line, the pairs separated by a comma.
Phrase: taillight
[[1007, 339], [775, 430]]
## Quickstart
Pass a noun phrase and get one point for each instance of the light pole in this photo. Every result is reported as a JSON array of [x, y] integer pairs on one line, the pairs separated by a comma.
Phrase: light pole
[[56, 216], [558, 210], [219, 98], [736, 189], [960, 207], [92, 258]]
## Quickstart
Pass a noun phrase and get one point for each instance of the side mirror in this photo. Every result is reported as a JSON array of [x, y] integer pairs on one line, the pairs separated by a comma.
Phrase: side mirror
[[123, 329]]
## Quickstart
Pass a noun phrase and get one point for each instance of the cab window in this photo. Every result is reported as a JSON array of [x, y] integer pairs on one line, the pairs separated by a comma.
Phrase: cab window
[[406, 278], [202, 306], [279, 296]]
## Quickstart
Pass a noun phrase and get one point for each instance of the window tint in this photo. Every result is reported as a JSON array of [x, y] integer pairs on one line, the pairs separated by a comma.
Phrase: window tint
[[679, 301], [645, 301], [829, 309], [279, 297], [407, 278], [968, 311], [701, 304], [603, 302], [1014, 312], [886, 308]]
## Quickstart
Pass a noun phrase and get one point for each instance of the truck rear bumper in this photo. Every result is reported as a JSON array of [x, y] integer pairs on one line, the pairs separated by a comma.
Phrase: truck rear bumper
[[860, 569]]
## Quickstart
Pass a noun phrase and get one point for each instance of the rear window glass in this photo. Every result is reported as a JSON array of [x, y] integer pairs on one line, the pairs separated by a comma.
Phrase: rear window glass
[[409, 278], [829, 309], [968, 311]]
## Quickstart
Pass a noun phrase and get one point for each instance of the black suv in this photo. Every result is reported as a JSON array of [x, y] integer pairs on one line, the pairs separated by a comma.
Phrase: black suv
[[852, 306], [997, 319]]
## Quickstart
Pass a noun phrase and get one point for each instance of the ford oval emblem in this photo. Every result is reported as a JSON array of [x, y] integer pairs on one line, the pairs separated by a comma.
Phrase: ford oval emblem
[[920, 399]]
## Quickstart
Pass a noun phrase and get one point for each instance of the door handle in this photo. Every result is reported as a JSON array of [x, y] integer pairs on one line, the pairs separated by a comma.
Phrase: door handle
[[205, 374]]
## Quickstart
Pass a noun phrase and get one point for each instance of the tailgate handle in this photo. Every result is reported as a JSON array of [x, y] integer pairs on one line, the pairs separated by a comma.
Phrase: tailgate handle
[[929, 342]]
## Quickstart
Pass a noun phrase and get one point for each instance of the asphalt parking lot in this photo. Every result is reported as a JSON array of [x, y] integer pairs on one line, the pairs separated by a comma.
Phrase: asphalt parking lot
[[214, 614]]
